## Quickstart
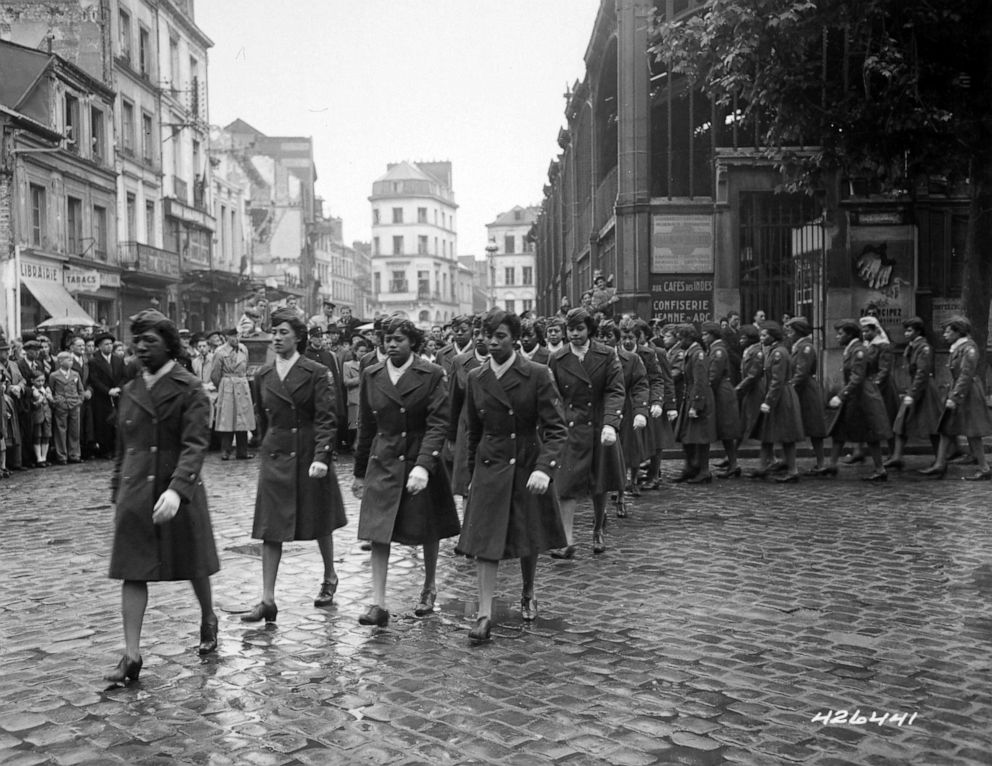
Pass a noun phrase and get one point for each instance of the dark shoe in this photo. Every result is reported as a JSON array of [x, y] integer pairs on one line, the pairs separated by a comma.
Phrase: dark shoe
[[528, 608], [789, 478], [326, 595], [824, 470], [937, 471], [635, 490], [598, 542], [725, 463], [621, 509], [480, 633], [376, 615], [778, 466], [979, 476], [853, 458], [701, 478], [963, 458], [125, 671], [729, 474], [208, 636], [247, 456], [262, 611], [42, 465], [564, 553], [683, 477], [757, 473], [893, 462], [75, 460], [225, 456], [654, 485], [366, 545], [426, 605], [877, 476]]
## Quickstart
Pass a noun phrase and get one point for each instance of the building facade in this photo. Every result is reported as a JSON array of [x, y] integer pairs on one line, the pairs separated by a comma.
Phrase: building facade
[[415, 242], [513, 261]]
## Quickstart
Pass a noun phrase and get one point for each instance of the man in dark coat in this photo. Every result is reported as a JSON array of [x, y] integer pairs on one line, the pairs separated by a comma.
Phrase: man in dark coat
[[107, 375]]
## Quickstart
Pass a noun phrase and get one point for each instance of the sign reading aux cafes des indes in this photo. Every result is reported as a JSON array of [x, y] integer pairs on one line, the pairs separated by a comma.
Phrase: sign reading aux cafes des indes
[[682, 268]]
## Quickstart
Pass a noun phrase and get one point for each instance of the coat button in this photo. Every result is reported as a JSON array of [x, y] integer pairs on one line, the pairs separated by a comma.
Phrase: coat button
[[292, 454], [571, 424], [513, 436], [403, 433], [402, 458], [293, 430], [402, 409], [155, 421], [513, 460], [509, 412], [150, 478], [554, 463], [153, 449]]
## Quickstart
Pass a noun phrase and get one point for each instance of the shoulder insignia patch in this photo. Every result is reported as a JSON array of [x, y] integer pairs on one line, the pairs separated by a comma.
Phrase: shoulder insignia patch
[[972, 353], [859, 354]]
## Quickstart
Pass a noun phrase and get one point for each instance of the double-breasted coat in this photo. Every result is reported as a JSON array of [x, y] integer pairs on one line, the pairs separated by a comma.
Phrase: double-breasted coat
[[970, 417], [297, 424], [862, 416], [400, 426], [636, 401], [808, 389], [515, 427], [233, 409], [726, 411], [921, 417], [783, 423], [457, 431], [881, 363], [162, 437], [751, 389], [698, 395], [658, 434], [592, 396]]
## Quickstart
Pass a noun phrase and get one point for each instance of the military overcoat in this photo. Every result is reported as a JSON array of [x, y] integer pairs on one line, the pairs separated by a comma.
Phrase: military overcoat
[[456, 434], [783, 424], [634, 444], [807, 388], [726, 411], [862, 416], [970, 417], [696, 395], [921, 418], [751, 389]]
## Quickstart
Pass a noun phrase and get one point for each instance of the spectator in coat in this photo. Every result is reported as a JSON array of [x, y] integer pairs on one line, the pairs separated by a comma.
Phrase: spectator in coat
[[919, 409], [234, 414], [106, 378], [162, 529], [17, 387], [352, 377], [315, 350], [399, 475], [298, 496], [515, 420]]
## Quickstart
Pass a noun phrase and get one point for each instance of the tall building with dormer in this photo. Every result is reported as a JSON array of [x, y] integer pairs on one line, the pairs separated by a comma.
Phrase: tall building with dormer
[[513, 259]]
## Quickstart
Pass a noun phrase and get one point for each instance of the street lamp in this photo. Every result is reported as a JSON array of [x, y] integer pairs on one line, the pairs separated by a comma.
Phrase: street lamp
[[491, 249]]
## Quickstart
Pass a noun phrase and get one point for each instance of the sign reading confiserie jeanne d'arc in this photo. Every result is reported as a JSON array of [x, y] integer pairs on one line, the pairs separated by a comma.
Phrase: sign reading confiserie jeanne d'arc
[[681, 244], [682, 298]]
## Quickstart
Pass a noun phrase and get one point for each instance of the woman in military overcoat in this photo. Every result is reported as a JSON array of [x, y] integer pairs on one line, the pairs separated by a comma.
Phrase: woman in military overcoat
[[697, 423], [516, 431], [799, 333], [751, 389], [725, 409], [590, 381], [664, 410], [965, 411], [298, 496], [919, 407], [162, 527], [781, 419], [234, 414], [399, 475]]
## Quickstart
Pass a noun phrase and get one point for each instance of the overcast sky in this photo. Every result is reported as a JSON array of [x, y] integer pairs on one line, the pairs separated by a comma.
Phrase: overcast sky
[[476, 82]]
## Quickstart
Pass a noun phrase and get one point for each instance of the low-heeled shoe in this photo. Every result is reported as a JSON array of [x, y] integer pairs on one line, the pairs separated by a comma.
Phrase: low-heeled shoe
[[426, 605], [126, 670], [376, 616], [262, 611], [564, 553], [481, 631], [979, 476], [877, 476], [598, 542], [326, 595], [528, 608], [208, 636]]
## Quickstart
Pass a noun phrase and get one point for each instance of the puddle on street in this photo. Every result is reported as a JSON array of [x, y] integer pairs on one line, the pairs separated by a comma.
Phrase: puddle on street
[[504, 613]]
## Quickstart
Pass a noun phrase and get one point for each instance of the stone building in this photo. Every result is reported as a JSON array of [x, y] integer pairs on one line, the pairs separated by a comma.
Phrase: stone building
[[513, 259]]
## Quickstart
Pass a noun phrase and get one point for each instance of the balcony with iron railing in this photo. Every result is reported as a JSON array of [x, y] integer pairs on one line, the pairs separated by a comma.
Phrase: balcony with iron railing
[[148, 261]]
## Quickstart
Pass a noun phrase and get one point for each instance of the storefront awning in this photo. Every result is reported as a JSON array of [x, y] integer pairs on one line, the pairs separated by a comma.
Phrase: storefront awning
[[57, 301]]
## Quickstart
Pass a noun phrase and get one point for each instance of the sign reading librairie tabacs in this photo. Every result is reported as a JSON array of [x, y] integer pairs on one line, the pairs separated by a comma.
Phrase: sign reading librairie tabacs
[[682, 298], [81, 280], [681, 244]]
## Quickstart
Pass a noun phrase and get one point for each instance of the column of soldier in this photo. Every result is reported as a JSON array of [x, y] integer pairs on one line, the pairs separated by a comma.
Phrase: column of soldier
[[523, 417]]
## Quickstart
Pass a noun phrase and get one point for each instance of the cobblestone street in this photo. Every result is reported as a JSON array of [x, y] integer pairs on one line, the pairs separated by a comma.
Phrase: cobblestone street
[[721, 621]]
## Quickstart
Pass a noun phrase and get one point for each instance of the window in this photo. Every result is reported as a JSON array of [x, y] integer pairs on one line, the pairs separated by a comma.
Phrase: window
[[39, 224], [528, 245], [98, 135], [147, 144], [127, 128], [74, 226], [376, 283], [375, 216], [509, 244], [422, 245], [144, 53], [124, 34], [132, 223], [398, 282], [150, 223], [174, 63], [510, 305], [528, 304], [421, 215], [194, 86], [397, 215], [423, 284], [375, 247], [100, 232], [72, 122], [508, 276], [397, 245], [528, 277]]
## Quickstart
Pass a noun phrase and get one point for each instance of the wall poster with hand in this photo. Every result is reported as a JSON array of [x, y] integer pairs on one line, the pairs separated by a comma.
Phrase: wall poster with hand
[[883, 259]]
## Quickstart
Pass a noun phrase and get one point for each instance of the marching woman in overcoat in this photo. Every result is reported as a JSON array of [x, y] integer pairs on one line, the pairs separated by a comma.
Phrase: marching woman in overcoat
[[234, 414], [399, 475], [161, 525], [664, 410], [298, 496], [965, 411], [590, 381], [861, 415], [751, 389], [781, 419], [725, 409], [799, 333], [457, 380], [919, 408], [697, 423], [516, 431]]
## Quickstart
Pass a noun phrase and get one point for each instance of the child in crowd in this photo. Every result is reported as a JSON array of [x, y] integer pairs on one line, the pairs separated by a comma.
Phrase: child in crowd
[[41, 418], [67, 399], [5, 415]]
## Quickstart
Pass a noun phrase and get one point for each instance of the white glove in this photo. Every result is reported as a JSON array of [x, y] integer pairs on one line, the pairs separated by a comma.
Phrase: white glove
[[672, 414], [538, 482], [318, 470], [951, 404], [656, 411], [765, 408], [166, 507], [834, 403], [908, 401], [358, 488], [114, 392], [609, 436], [639, 422], [692, 413], [417, 480]]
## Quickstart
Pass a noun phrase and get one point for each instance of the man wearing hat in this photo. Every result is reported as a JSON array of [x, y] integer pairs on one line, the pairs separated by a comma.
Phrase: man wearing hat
[[321, 355], [324, 319], [107, 375], [348, 324]]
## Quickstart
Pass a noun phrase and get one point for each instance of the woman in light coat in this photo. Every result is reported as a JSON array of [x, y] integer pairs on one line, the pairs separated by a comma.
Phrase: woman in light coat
[[234, 414]]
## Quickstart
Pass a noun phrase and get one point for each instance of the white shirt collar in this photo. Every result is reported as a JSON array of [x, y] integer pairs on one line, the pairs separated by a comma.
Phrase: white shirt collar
[[283, 366], [151, 378], [480, 358], [461, 349], [500, 369], [554, 347], [580, 351], [395, 373], [958, 343], [106, 357], [528, 354]]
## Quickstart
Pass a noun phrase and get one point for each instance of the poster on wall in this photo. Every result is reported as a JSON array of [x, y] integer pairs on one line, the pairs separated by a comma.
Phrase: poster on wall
[[682, 298], [682, 244], [883, 259]]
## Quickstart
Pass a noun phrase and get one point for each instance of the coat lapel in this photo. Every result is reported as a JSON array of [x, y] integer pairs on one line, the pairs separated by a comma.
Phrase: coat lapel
[[270, 380], [571, 363], [493, 386], [519, 372], [298, 375], [142, 396], [381, 378]]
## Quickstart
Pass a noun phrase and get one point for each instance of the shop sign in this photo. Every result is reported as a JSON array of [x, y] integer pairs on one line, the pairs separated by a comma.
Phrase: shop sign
[[81, 280], [682, 298], [110, 279], [41, 271], [681, 244]]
